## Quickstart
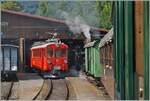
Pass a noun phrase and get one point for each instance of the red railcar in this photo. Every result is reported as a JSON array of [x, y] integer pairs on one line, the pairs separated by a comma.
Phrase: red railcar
[[50, 56]]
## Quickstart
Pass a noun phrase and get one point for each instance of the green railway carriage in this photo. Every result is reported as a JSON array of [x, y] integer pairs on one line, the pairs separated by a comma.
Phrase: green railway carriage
[[92, 59], [131, 49]]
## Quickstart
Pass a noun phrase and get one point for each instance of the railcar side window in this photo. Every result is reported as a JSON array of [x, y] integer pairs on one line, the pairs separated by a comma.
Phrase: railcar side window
[[37, 53], [45, 52], [33, 53], [50, 52]]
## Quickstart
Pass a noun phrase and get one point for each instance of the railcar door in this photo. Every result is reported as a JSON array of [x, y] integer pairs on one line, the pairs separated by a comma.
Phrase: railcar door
[[6, 59], [14, 59], [9, 58], [50, 58], [44, 59]]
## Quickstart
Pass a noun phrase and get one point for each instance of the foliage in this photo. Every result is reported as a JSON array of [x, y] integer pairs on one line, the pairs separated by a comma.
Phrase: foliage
[[29, 7], [43, 8], [94, 13], [104, 9], [84, 9], [11, 5]]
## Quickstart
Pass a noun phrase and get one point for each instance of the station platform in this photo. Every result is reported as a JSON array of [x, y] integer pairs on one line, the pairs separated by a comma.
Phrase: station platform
[[29, 85], [85, 90]]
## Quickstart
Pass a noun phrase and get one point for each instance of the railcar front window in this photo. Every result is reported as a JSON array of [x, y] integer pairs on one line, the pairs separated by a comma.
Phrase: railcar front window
[[57, 53], [63, 53], [60, 53]]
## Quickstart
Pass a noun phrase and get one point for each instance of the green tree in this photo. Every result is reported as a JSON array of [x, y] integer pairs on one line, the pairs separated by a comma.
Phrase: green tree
[[11, 5], [51, 8], [104, 9], [62, 5], [43, 8]]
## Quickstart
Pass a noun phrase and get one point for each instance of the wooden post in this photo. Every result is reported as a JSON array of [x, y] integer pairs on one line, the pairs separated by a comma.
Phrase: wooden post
[[139, 38], [139, 63], [21, 52]]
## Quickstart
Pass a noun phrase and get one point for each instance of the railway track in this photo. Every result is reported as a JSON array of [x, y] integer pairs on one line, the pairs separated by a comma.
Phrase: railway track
[[6, 90], [53, 90], [57, 89], [99, 85]]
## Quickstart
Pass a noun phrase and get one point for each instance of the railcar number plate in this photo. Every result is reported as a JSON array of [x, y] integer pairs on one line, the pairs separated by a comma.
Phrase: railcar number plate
[[56, 67]]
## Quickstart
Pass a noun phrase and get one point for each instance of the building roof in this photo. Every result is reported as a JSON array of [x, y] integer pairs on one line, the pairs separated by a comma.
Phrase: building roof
[[44, 18], [106, 38], [100, 29], [33, 16], [90, 44], [47, 22]]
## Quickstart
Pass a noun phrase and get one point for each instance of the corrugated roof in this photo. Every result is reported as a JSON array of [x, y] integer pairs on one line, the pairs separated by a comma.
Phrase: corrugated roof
[[106, 38], [44, 18], [90, 44], [33, 16]]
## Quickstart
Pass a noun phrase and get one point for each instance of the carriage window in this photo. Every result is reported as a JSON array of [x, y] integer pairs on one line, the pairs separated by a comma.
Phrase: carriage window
[[39, 53], [36, 53], [60, 53], [50, 52], [57, 53], [63, 53]]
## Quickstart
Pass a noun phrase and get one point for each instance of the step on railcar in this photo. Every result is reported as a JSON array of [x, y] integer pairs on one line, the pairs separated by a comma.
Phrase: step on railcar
[[50, 57]]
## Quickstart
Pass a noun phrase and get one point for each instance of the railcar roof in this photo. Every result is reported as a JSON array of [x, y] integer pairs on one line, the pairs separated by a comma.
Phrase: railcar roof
[[45, 45]]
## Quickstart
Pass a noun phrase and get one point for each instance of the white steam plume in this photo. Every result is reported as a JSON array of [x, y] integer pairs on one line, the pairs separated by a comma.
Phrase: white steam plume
[[77, 24]]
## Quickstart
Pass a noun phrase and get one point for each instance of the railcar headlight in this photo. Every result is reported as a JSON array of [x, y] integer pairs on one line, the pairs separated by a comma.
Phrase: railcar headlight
[[48, 61], [65, 61]]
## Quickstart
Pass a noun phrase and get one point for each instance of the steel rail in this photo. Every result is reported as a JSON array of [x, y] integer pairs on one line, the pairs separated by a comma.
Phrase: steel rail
[[56, 89], [60, 90], [45, 90], [7, 92]]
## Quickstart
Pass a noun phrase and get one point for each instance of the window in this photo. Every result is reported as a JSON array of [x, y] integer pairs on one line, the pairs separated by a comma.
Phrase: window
[[57, 53], [50, 52], [63, 52], [34, 53], [37, 53], [60, 53]]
